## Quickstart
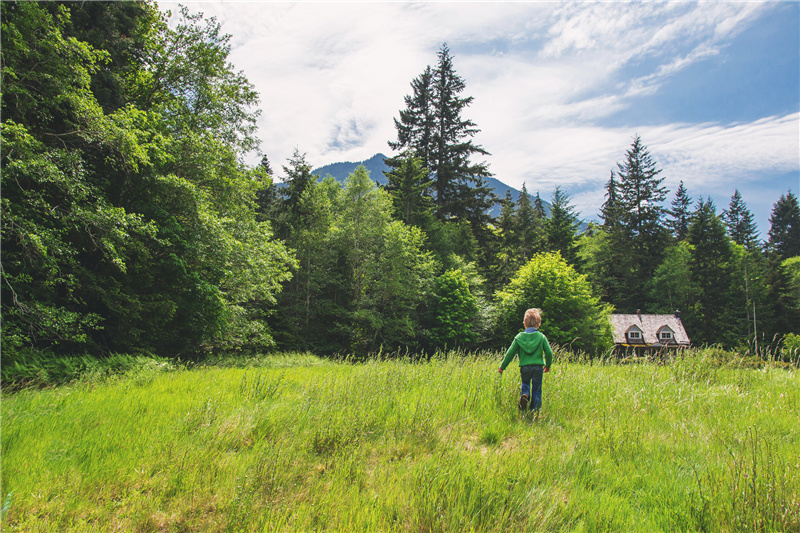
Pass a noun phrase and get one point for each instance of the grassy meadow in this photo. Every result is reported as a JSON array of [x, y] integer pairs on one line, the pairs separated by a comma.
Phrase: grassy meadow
[[296, 443]]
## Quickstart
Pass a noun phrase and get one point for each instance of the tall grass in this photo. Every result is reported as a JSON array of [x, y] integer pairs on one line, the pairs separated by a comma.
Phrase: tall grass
[[294, 443]]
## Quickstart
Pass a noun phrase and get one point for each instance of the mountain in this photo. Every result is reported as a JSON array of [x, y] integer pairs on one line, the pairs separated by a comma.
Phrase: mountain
[[376, 167]]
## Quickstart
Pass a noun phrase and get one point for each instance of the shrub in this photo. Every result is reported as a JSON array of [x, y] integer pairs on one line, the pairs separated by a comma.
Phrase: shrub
[[572, 314]]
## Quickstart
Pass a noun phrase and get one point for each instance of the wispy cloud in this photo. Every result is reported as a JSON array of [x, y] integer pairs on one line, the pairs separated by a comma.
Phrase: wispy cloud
[[545, 77]]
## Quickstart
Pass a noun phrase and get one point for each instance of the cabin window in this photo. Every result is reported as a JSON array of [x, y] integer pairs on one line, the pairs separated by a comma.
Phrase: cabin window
[[666, 335], [633, 334]]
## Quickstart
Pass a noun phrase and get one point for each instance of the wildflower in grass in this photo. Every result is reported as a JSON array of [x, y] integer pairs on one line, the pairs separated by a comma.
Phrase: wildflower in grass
[[534, 356]]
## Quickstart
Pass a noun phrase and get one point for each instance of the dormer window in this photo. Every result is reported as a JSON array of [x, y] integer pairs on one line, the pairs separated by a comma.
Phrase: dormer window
[[634, 334], [665, 334]]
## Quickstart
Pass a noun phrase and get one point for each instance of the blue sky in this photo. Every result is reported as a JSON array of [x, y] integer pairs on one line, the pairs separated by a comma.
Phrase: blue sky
[[560, 89]]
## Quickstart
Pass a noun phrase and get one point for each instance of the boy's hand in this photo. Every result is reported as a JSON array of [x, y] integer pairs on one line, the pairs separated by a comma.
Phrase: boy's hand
[[499, 370], [546, 369]]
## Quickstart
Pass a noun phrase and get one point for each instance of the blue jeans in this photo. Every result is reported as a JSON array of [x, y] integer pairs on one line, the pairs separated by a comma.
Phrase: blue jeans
[[531, 376]]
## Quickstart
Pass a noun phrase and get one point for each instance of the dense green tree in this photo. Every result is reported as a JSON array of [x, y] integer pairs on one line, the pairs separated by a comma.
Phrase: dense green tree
[[638, 242], [530, 229], [671, 288], [506, 256], [741, 226], [386, 268], [561, 227], [455, 311], [433, 128], [711, 275], [573, 315], [129, 220], [784, 231], [748, 294], [680, 213], [298, 177], [610, 210], [417, 124], [408, 184]]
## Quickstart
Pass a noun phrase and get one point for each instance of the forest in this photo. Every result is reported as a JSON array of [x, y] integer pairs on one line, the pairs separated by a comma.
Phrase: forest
[[132, 222]]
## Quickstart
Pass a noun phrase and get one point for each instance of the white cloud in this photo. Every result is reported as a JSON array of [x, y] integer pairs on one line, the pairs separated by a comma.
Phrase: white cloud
[[332, 76]]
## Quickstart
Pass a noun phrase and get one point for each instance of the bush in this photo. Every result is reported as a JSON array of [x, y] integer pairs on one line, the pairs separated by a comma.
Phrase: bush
[[572, 314]]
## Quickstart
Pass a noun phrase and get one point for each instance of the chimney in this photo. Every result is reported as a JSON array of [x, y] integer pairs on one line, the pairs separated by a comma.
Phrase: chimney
[[677, 314], [639, 314]]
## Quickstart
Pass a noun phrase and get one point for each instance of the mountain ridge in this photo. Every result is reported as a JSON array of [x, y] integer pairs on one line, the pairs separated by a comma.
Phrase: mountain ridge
[[375, 166]]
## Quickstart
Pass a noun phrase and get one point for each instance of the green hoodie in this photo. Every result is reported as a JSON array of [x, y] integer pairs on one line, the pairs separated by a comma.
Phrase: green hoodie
[[532, 348]]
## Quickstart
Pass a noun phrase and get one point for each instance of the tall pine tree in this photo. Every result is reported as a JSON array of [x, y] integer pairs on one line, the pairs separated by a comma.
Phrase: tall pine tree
[[784, 231], [741, 226], [561, 227], [638, 248], [711, 274], [680, 213], [432, 127]]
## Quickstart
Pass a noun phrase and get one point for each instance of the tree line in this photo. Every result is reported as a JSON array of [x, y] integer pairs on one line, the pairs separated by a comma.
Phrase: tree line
[[131, 222]]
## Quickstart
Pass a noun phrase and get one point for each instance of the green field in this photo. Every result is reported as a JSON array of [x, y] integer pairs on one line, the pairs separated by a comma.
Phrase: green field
[[297, 443]]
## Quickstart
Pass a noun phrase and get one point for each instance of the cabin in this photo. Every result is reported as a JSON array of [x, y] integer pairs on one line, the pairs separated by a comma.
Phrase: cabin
[[648, 333]]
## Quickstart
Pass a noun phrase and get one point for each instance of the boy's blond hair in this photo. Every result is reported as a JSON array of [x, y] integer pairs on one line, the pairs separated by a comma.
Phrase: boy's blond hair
[[533, 318]]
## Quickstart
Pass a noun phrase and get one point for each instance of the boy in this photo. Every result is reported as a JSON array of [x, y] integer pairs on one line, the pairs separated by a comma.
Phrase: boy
[[535, 358]]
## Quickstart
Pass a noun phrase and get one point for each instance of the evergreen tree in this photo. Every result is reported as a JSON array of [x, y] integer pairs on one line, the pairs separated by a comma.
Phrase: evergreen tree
[[637, 248], [741, 227], [269, 205], [433, 128], [610, 210], [561, 227], [711, 274], [298, 178], [508, 255], [529, 234], [784, 231], [417, 124], [539, 213], [680, 213], [407, 184]]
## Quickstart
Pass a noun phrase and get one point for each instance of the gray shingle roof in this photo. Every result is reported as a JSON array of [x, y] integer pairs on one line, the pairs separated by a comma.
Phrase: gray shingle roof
[[649, 325]]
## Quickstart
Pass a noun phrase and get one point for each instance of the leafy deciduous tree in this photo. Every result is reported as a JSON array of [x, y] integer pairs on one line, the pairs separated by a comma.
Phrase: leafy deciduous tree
[[573, 315]]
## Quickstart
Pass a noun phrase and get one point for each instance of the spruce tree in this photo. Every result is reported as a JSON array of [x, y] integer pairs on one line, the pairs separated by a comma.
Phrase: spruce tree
[[638, 247], [561, 227], [508, 256], [784, 232], [407, 185], [711, 274], [526, 226], [741, 227], [680, 213], [609, 211], [432, 126], [417, 123]]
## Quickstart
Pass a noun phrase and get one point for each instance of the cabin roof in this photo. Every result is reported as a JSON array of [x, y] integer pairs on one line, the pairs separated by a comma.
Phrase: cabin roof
[[649, 325]]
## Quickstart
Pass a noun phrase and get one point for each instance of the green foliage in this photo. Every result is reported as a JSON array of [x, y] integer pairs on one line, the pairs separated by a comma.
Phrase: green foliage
[[572, 314], [791, 269], [711, 272], [741, 227], [784, 231], [128, 218], [680, 213], [408, 186], [560, 227], [362, 275], [671, 288], [634, 220], [455, 311]]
